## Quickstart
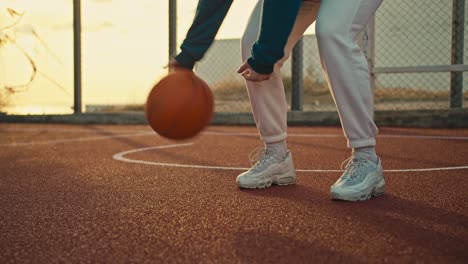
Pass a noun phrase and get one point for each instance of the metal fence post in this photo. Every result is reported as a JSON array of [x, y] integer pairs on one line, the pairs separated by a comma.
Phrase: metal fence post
[[172, 28], [77, 104], [297, 76], [456, 78]]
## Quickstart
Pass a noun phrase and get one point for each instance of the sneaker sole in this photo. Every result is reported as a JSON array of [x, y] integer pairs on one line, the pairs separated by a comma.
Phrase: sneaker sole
[[281, 179], [377, 190]]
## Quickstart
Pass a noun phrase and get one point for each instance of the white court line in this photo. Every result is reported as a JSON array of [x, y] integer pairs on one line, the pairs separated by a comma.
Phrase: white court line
[[221, 133], [79, 139], [121, 157], [137, 133], [339, 135], [424, 137], [41, 130]]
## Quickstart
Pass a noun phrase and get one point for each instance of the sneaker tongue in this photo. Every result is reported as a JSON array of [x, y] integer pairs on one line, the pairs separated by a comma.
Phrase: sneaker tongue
[[275, 154], [270, 151]]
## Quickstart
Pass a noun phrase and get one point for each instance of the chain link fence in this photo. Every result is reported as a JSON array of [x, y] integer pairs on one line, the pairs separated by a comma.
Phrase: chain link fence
[[415, 43], [416, 50]]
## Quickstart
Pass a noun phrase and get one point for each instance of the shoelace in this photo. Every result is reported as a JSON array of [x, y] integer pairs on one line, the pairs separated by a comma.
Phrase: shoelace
[[258, 156], [354, 165]]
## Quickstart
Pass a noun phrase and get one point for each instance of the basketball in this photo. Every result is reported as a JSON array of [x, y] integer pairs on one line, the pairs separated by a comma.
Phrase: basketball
[[180, 105]]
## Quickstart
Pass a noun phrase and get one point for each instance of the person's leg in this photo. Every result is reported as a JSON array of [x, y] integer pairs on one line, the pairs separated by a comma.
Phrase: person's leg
[[267, 98], [345, 66]]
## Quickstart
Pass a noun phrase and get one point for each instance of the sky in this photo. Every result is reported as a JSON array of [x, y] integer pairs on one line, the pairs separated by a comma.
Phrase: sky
[[124, 48]]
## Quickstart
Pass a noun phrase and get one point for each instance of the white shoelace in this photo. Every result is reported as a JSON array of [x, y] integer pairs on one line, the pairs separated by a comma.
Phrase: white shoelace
[[259, 156], [256, 155], [353, 166]]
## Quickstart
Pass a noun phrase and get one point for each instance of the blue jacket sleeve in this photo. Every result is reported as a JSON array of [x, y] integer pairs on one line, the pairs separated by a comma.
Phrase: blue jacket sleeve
[[277, 22], [208, 19]]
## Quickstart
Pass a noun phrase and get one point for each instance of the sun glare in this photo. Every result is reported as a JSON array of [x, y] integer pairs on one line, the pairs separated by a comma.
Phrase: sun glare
[[124, 48]]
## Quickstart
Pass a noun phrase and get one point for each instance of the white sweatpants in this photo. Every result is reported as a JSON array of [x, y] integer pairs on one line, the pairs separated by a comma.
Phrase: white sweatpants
[[338, 24]]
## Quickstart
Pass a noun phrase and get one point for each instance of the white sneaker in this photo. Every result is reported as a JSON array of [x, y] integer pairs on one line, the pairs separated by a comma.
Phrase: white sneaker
[[361, 179], [269, 169]]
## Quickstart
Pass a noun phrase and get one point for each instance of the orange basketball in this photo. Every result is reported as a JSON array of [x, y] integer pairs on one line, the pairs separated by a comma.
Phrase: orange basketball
[[180, 105]]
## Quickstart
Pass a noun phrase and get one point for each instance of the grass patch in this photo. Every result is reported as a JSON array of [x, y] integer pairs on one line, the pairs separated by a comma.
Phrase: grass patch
[[412, 94], [232, 96], [227, 91]]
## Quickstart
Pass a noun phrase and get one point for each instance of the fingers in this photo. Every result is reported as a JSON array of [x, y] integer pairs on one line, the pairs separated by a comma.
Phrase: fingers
[[250, 75], [243, 67], [246, 74], [254, 78]]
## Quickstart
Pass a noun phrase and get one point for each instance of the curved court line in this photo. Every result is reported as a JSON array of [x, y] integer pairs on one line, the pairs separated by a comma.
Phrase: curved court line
[[79, 139], [121, 157]]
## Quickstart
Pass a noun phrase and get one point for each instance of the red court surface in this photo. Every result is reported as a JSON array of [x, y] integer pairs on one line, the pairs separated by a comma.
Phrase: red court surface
[[122, 194]]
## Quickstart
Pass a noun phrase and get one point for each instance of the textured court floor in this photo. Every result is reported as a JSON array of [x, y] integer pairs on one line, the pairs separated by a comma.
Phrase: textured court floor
[[122, 194]]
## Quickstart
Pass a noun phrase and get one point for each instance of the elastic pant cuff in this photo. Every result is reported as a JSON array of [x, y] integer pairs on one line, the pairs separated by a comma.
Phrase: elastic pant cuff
[[361, 143], [275, 138]]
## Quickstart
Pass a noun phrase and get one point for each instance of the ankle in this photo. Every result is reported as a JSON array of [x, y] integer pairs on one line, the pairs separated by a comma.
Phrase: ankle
[[368, 151], [277, 148]]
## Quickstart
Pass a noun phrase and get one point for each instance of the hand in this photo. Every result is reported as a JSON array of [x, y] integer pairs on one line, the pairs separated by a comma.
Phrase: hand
[[250, 75], [173, 65]]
